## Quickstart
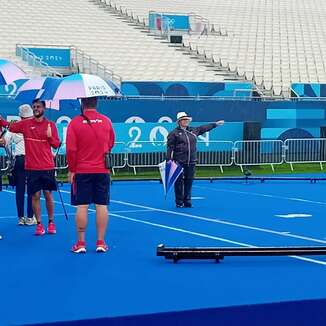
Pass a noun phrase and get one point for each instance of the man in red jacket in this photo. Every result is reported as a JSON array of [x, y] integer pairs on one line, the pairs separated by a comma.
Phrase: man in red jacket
[[89, 137], [40, 135]]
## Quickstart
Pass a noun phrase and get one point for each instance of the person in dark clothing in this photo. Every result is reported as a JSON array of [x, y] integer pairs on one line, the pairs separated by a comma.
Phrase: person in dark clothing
[[181, 147], [16, 141]]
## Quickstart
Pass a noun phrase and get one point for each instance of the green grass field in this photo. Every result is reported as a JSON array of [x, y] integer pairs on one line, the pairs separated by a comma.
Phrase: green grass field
[[209, 172]]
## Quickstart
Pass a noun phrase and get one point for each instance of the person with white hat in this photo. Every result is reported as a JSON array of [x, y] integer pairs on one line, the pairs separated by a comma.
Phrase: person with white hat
[[181, 147], [16, 142]]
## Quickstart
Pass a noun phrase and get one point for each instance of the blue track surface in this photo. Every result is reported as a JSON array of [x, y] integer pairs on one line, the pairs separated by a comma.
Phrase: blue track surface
[[41, 281]]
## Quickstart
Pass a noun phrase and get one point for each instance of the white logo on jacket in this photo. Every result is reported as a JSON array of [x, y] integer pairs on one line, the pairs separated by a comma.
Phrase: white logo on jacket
[[93, 121]]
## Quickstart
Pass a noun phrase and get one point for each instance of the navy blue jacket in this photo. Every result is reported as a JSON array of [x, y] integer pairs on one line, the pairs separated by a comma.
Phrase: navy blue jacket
[[181, 143]]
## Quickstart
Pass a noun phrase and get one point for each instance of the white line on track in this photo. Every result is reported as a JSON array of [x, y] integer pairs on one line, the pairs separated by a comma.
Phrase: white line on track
[[212, 220], [263, 195], [204, 235], [131, 211]]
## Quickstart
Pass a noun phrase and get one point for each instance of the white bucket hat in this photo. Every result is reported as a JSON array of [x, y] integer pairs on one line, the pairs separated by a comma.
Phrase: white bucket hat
[[25, 111], [183, 115]]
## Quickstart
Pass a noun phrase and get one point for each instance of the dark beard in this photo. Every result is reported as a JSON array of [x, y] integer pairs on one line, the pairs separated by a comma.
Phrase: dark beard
[[38, 115]]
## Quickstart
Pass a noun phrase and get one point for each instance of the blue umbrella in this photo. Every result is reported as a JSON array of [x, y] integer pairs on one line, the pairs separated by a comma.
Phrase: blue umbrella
[[10, 72], [32, 89], [10, 90], [170, 171], [35, 87]]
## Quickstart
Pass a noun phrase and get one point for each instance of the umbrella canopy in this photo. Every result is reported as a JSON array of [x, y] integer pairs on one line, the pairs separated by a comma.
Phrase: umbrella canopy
[[35, 87], [78, 86], [10, 72], [170, 171]]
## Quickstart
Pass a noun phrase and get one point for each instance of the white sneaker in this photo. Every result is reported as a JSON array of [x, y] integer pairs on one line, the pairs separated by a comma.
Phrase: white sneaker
[[21, 221], [30, 220]]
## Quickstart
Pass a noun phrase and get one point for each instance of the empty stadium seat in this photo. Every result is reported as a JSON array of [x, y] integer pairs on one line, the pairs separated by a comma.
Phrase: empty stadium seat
[[127, 51], [284, 38]]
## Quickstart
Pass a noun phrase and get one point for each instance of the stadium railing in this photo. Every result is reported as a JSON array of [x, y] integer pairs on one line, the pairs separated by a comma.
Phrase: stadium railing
[[35, 62]]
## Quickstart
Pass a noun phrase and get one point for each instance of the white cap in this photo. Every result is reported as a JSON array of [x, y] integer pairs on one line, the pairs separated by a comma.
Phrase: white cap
[[25, 111], [183, 115]]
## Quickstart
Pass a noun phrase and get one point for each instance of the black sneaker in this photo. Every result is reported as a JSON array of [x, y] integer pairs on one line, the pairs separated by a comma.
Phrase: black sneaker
[[179, 205], [189, 205]]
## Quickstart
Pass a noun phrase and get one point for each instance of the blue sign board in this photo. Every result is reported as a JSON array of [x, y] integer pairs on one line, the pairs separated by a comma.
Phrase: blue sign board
[[164, 22], [151, 137], [279, 119], [54, 57]]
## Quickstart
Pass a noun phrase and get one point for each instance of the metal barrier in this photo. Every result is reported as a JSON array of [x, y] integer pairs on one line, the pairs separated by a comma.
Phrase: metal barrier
[[305, 151], [5, 160], [3, 163], [35, 62], [118, 156], [216, 153], [61, 162], [85, 63], [258, 152], [145, 154]]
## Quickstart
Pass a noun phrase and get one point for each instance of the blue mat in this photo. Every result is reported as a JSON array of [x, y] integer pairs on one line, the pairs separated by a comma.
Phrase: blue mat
[[42, 282]]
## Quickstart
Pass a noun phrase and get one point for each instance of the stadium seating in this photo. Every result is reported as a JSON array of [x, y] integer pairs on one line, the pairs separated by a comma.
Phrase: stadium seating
[[128, 51], [273, 43]]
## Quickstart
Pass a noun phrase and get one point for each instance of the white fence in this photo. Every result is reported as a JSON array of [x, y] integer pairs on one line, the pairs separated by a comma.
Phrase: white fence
[[305, 151], [144, 154], [240, 153], [258, 152]]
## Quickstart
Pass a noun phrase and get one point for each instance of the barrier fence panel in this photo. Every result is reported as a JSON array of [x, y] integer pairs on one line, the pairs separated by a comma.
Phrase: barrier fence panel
[[118, 156], [310, 150], [145, 153], [4, 160], [60, 162], [258, 152], [215, 153]]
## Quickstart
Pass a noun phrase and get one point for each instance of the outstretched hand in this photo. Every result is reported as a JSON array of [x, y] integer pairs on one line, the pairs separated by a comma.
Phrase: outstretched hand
[[220, 123], [49, 131]]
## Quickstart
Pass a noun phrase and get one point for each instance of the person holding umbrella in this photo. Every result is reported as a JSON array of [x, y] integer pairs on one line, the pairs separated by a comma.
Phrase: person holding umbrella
[[181, 147], [19, 172], [40, 136], [90, 137]]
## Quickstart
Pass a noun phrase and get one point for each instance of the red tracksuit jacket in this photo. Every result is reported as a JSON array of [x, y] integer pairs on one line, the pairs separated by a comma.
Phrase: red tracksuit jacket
[[88, 142], [38, 153]]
